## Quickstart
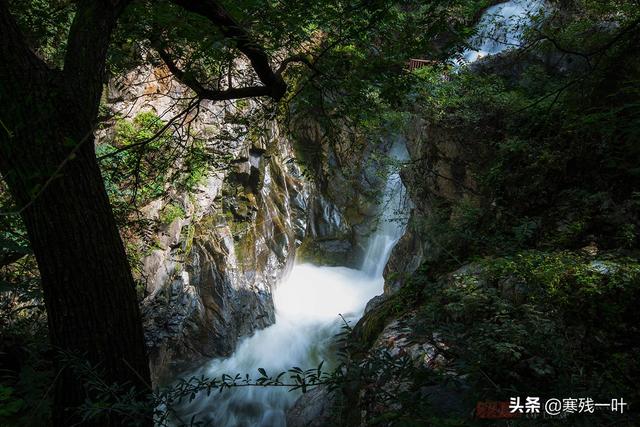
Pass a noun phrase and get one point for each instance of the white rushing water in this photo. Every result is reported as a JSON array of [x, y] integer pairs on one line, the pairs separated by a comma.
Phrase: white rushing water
[[309, 301], [393, 216], [501, 27], [308, 304]]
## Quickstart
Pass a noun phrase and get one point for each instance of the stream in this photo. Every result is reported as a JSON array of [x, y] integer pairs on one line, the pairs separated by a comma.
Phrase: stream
[[308, 305], [311, 299]]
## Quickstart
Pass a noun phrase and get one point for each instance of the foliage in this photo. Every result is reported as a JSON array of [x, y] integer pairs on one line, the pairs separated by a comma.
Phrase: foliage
[[166, 401], [144, 157], [554, 158], [543, 228], [163, 404], [171, 212], [543, 165], [549, 324], [25, 372], [556, 323], [356, 92], [46, 26]]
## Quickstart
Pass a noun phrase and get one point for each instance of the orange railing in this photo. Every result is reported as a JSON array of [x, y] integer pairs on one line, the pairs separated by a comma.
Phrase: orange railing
[[414, 64], [419, 63]]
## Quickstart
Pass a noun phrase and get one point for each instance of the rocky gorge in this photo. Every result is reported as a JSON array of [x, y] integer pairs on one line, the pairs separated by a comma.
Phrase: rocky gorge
[[211, 278], [406, 230], [208, 272], [211, 272]]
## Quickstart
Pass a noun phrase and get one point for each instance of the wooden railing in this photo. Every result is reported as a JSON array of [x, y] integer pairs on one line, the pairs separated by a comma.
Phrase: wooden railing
[[414, 64], [419, 63]]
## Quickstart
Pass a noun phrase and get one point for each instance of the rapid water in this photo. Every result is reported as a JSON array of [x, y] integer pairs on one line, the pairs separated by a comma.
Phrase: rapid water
[[308, 304], [501, 27], [393, 215], [309, 301]]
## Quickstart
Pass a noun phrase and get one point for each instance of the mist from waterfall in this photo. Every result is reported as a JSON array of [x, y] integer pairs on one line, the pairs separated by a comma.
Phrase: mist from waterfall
[[308, 306]]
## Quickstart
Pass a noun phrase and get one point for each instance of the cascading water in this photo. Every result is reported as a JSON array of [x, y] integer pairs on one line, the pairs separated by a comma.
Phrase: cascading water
[[501, 27], [309, 301], [308, 304], [393, 217]]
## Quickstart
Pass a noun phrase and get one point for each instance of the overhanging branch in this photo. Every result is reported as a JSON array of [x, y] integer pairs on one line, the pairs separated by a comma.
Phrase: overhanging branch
[[211, 94], [295, 58], [274, 85]]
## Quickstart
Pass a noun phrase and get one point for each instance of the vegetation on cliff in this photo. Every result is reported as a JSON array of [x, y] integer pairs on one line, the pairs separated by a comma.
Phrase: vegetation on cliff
[[524, 173], [537, 212]]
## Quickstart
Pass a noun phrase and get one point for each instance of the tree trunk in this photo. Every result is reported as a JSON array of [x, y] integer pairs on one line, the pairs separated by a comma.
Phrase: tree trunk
[[48, 161], [88, 287]]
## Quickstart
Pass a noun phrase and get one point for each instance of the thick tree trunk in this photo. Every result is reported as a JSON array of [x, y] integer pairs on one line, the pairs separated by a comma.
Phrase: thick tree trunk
[[89, 291], [88, 287], [47, 159]]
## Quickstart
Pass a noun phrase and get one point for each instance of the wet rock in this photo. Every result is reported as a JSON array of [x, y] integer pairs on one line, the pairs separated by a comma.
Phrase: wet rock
[[405, 259], [375, 303], [208, 275], [224, 292], [312, 409], [401, 344]]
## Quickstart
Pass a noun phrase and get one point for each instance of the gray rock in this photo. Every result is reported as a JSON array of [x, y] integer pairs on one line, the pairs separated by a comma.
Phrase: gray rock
[[208, 276], [375, 302], [312, 409]]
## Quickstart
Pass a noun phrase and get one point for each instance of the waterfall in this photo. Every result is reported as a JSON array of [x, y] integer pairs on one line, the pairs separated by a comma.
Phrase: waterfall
[[501, 27], [308, 304], [393, 215]]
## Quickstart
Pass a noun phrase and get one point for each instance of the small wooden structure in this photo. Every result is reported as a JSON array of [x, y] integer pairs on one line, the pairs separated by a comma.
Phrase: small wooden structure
[[414, 64], [419, 63]]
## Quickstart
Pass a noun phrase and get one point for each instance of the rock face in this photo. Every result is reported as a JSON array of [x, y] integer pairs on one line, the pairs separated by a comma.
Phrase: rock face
[[220, 291], [445, 158], [439, 173], [209, 270], [208, 273], [349, 173], [312, 409], [330, 238], [400, 341]]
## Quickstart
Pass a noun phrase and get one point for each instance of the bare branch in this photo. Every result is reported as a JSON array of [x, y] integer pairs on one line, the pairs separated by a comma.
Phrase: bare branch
[[211, 94], [274, 85]]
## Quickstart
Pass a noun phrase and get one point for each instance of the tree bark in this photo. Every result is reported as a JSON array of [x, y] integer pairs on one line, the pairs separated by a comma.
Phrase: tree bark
[[47, 159], [88, 288]]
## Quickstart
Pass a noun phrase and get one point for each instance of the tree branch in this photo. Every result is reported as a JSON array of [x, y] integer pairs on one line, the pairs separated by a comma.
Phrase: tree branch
[[274, 85], [211, 94], [10, 257], [295, 58], [85, 58], [156, 135]]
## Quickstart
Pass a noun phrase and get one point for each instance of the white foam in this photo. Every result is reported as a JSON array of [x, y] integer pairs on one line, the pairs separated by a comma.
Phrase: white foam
[[308, 306]]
